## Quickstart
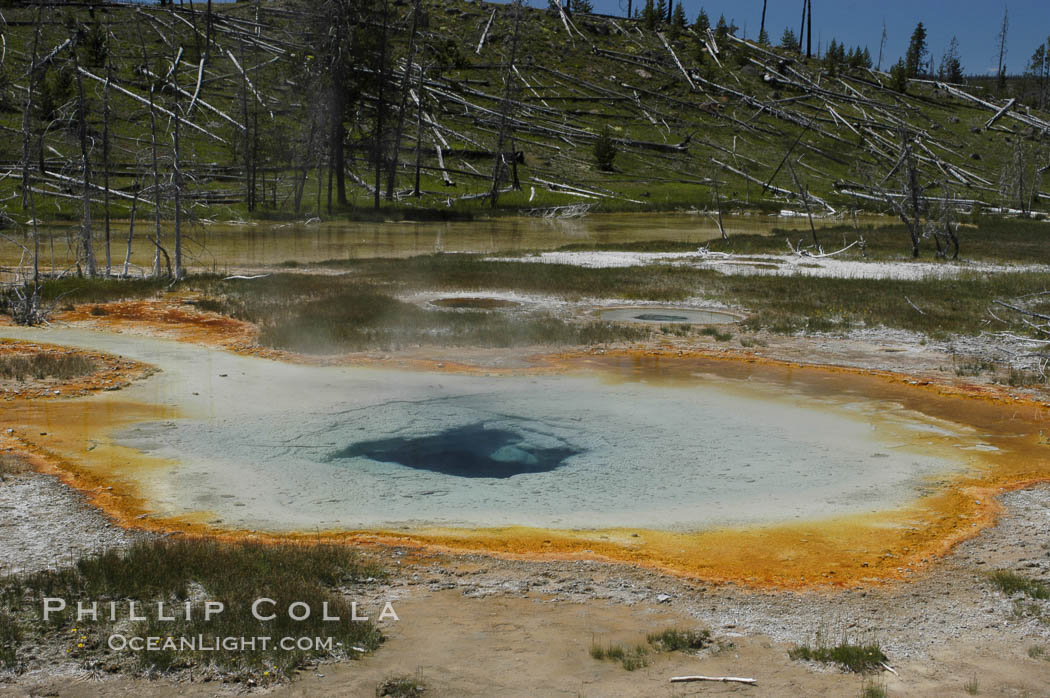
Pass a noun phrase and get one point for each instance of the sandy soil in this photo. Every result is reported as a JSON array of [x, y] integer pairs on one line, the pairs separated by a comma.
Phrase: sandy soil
[[477, 625]]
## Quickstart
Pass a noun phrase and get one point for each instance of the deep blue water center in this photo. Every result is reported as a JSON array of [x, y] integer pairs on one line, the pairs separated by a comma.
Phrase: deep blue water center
[[469, 451]]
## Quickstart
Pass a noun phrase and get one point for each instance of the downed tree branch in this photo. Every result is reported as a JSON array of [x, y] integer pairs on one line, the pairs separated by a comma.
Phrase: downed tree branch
[[1022, 310], [162, 110], [723, 679], [1000, 113], [915, 306], [677, 62], [481, 42], [806, 253]]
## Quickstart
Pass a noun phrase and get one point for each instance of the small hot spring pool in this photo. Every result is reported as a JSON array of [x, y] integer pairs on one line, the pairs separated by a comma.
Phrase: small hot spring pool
[[475, 303], [668, 316]]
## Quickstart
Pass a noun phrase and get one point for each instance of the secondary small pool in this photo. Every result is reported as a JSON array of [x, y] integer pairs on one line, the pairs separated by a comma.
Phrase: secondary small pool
[[668, 316]]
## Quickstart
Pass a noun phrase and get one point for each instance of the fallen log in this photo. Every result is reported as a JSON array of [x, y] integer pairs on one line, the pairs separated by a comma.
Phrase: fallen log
[[999, 114], [160, 109], [481, 42], [723, 679], [677, 62]]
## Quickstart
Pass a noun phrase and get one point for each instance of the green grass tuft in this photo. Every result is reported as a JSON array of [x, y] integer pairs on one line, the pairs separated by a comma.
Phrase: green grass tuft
[[1011, 583], [720, 335], [176, 571], [673, 639], [629, 658], [859, 659]]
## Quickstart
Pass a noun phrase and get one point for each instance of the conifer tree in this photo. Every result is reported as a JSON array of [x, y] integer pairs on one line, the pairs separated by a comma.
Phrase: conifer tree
[[661, 11], [721, 29], [789, 41], [703, 22], [1039, 72], [899, 76], [915, 58], [678, 21], [649, 15]]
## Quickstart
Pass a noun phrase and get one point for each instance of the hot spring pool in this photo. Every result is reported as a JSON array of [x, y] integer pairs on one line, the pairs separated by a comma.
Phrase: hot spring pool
[[249, 443], [668, 316]]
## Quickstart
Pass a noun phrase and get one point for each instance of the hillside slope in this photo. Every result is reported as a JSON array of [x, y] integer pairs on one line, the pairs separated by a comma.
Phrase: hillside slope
[[693, 121]]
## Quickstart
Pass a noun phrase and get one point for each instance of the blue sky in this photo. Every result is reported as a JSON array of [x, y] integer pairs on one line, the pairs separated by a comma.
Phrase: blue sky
[[975, 23]]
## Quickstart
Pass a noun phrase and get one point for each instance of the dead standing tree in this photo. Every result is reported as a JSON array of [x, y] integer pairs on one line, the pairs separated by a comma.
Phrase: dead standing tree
[[941, 225], [26, 309], [509, 81], [173, 78], [406, 82], [28, 202], [384, 77], [105, 154], [909, 204], [86, 246], [155, 164], [1020, 179]]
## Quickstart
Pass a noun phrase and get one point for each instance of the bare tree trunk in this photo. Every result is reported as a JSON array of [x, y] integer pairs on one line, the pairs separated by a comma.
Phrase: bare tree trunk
[[914, 194], [802, 28], [1000, 76], [207, 30], [320, 176], [131, 232], [716, 193], [196, 32], [105, 158], [154, 161], [381, 102], [255, 157], [804, 196], [391, 175], [882, 45], [949, 228], [497, 167], [247, 149], [337, 140], [85, 162], [156, 181], [809, 29], [176, 166], [330, 183], [301, 168], [28, 202], [762, 27], [27, 113], [419, 119]]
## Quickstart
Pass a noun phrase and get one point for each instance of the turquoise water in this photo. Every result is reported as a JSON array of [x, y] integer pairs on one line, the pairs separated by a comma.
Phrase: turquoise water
[[273, 446]]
